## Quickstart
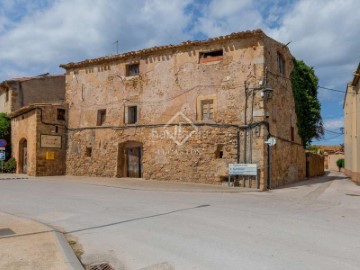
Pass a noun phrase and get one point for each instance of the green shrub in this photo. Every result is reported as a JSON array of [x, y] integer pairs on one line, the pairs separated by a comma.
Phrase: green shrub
[[10, 166], [340, 163]]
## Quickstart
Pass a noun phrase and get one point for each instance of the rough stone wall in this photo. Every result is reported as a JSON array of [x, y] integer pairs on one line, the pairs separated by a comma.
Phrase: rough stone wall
[[314, 165], [46, 89], [288, 162], [48, 124], [23, 127], [30, 126], [168, 83], [5, 105]]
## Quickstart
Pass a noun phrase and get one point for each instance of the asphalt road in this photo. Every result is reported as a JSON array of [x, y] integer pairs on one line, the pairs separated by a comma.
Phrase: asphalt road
[[311, 225]]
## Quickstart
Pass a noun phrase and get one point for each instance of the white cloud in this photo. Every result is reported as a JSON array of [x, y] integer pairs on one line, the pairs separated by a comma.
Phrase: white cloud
[[74, 30], [226, 16], [334, 124]]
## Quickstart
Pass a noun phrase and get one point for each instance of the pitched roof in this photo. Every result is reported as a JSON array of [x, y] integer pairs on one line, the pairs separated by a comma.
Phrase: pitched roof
[[100, 60]]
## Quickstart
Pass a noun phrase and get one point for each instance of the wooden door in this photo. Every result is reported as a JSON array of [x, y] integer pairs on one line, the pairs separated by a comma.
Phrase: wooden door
[[134, 162], [24, 157]]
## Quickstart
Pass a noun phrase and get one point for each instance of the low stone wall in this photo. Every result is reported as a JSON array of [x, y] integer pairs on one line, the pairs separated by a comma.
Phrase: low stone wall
[[314, 165]]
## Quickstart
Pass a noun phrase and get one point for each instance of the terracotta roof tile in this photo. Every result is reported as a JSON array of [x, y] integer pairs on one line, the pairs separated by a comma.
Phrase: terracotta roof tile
[[95, 61]]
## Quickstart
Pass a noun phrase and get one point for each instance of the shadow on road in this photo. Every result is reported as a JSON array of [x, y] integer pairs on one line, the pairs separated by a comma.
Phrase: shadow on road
[[136, 219], [327, 177]]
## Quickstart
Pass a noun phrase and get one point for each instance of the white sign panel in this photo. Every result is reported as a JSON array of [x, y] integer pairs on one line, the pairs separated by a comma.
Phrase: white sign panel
[[242, 169], [51, 141]]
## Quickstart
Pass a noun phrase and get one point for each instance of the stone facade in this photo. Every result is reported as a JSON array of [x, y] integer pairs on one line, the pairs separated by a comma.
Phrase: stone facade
[[352, 127], [20, 92], [315, 165], [39, 139], [32, 104], [184, 112]]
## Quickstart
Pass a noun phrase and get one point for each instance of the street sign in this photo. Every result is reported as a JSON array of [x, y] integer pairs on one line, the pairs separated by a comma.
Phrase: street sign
[[243, 169], [3, 142], [2, 155]]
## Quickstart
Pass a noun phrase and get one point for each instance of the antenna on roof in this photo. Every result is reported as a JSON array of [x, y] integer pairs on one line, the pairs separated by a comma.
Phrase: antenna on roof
[[287, 44], [117, 46]]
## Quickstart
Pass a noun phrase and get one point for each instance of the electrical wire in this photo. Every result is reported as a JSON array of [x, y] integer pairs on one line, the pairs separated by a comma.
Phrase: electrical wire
[[334, 132]]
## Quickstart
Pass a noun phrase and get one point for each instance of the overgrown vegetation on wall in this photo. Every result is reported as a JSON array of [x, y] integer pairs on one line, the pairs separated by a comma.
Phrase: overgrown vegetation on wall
[[307, 106]]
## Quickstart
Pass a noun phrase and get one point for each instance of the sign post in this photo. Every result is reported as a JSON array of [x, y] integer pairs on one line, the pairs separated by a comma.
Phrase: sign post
[[244, 169], [2, 158]]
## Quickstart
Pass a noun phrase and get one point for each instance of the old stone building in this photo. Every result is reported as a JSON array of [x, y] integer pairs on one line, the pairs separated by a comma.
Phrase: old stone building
[[19, 92], [352, 127], [38, 123], [184, 112]]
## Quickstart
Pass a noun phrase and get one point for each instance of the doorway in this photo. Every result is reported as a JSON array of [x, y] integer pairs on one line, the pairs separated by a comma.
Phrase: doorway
[[23, 156], [134, 161], [130, 160]]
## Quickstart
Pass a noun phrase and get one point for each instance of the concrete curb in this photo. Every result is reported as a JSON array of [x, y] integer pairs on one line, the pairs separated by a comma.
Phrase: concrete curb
[[67, 252]]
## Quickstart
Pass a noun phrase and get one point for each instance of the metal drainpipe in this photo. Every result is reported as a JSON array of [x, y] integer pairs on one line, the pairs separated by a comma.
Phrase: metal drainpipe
[[238, 146], [269, 166], [245, 120], [250, 151]]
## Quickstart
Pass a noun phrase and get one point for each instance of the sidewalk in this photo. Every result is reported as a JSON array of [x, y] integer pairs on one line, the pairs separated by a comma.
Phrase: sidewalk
[[149, 185], [27, 245]]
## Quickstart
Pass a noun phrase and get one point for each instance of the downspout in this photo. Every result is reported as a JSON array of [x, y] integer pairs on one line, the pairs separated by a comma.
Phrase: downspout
[[268, 146], [238, 147], [245, 120]]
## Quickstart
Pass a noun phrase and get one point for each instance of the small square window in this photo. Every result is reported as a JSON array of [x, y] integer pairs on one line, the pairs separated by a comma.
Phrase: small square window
[[211, 56], [132, 115], [7, 94], [101, 117], [132, 69], [292, 133], [88, 151], [207, 109], [61, 114]]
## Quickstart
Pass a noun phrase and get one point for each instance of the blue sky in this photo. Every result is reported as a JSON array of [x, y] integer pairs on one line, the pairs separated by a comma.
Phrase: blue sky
[[36, 36]]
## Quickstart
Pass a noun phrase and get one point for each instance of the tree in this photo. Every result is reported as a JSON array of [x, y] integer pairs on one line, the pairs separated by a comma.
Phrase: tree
[[307, 106], [340, 163], [5, 132]]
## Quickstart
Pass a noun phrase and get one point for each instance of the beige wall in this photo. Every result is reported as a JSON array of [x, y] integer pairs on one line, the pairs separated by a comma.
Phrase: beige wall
[[352, 128], [24, 128], [332, 161], [5, 104]]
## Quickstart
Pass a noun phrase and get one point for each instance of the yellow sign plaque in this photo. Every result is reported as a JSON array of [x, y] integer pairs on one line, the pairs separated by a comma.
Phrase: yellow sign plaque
[[50, 155]]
